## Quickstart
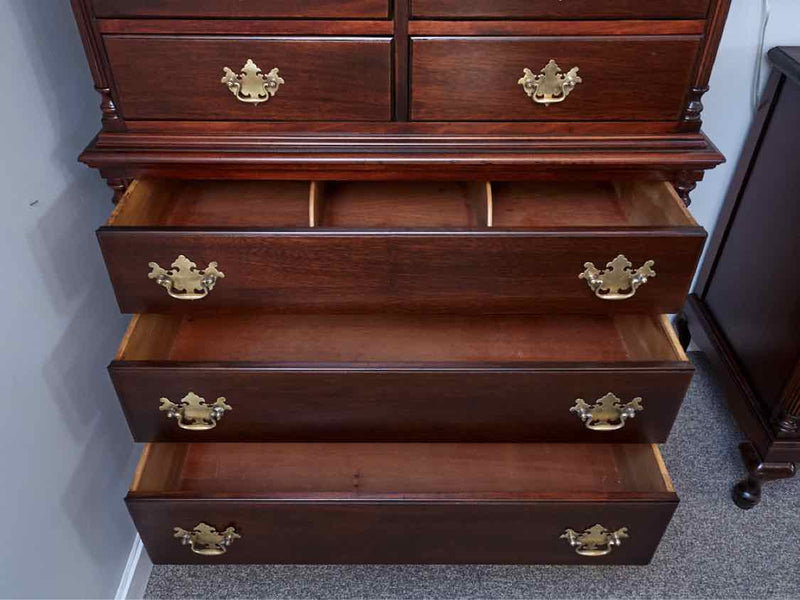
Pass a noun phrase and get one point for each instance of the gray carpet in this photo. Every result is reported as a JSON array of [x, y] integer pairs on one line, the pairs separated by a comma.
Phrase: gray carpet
[[711, 549]]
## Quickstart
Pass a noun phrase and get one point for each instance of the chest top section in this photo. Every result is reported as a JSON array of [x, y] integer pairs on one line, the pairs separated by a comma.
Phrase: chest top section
[[500, 69]]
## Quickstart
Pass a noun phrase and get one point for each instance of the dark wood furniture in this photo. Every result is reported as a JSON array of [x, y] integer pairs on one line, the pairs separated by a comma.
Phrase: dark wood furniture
[[417, 254], [745, 313]]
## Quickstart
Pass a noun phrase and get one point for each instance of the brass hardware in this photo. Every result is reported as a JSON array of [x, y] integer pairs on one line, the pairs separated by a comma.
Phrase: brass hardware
[[607, 414], [618, 281], [551, 85], [184, 281], [205, 540], [193, 413], [251, 85], [595, 541]]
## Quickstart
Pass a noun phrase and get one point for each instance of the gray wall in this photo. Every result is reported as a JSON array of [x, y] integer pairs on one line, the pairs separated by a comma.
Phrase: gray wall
[[729, 111], [67, 455]]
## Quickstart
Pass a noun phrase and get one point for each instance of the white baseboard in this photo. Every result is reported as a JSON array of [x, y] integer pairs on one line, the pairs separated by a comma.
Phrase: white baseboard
[[137, 571]]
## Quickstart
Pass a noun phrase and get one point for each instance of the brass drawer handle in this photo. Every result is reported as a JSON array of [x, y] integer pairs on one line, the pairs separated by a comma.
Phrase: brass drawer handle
[[595, 541], [184, 281], [206, 540], [551, 85], [193, 414], [618, 281], [251, 85], [607, 414]]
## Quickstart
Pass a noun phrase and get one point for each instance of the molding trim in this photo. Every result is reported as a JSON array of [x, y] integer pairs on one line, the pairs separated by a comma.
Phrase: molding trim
[[410, 152], [134, 579]]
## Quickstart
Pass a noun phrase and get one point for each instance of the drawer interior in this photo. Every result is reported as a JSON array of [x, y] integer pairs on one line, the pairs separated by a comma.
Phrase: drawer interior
[[405, 339], [343, 470], [413, 205]]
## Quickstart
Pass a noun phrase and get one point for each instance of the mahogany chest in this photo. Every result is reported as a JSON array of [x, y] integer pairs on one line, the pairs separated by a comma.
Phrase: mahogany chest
[[400, 271]]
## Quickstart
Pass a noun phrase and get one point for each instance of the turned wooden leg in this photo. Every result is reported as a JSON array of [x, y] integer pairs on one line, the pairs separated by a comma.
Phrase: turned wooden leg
[[681, 325], [685, 182], [119, 186], [747, 493]]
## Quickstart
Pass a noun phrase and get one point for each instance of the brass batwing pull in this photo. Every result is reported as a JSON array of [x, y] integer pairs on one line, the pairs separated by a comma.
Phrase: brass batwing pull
[[207, 541], [551, 85], [595, 541], [251, 85], [618, 281], [184, 280], [193, 414], [607, 414]]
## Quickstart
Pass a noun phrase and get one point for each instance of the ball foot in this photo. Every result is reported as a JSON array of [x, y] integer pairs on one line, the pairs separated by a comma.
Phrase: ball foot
[[747, 493]]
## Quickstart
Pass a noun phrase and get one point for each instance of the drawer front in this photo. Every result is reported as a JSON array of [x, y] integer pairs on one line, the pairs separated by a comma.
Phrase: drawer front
[[550, 9], [181, 78], [474, 273], [397, 532], [310, 9], [385, 405], [622, 79]]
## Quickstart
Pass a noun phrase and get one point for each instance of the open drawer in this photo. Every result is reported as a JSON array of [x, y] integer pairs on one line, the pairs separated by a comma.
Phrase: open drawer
[[403, 503], [522, 247], [400, 378]]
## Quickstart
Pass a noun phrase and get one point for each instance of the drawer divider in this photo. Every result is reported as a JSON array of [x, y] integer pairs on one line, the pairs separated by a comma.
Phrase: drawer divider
[[316, 205]]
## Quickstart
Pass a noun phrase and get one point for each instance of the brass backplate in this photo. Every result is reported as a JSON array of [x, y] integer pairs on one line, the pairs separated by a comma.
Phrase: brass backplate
[[192, 412], [551, 85], [595, 541], [618, 281], [206, 540], [250, 85], [606, 414], [184, 281]]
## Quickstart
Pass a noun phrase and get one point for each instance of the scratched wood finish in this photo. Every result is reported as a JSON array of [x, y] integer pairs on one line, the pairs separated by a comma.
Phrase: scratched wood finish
[[624, 78], [161, 77], [227, 9], [550, 9], [378, 378], [403, 503]]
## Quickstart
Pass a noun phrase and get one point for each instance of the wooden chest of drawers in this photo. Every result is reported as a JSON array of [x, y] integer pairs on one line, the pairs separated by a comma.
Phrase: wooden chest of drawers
[[400, 271]]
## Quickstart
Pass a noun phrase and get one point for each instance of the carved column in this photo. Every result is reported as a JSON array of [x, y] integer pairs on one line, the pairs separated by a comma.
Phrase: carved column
[[787, 415], [111, 119], [694, 107], [119, 186], [685, 182]]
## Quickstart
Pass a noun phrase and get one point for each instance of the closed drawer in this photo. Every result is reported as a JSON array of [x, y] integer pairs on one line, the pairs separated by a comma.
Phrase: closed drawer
[[551, 9], [309, 9], [635, 78], [400, 378], [163, 77], [405, 503], [401, 246]]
